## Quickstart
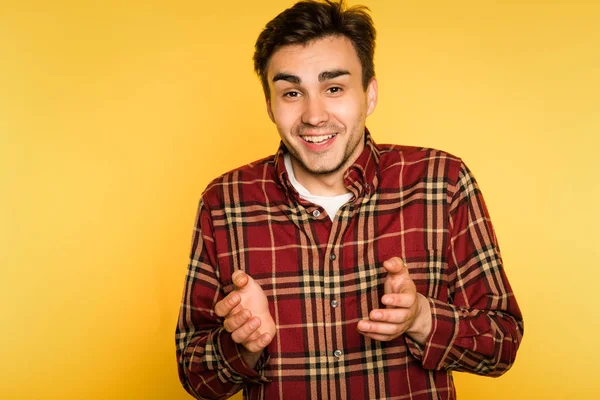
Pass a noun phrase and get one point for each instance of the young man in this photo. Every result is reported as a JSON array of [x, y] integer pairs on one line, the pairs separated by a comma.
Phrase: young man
[[338, 268]]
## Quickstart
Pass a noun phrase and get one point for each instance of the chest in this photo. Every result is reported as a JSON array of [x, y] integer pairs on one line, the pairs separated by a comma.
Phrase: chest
[[299, 253]]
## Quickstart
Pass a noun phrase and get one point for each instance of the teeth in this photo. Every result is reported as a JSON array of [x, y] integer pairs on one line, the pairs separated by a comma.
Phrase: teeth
[[317, 139]]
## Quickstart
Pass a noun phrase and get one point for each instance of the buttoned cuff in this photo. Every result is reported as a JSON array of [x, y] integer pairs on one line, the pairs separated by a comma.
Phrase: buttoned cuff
[[234, 368], [444, 330]]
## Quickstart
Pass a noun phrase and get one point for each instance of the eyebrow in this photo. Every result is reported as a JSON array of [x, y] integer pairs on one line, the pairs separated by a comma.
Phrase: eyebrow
[[286, 77], [323, 76], [327, 75]]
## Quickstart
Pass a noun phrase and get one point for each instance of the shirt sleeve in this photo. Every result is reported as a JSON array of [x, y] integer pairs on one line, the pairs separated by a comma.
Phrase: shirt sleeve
[[480, 327], [209, 361]]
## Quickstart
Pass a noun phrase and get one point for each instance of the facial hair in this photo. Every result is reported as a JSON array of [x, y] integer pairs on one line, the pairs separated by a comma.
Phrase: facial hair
[[348, 151]]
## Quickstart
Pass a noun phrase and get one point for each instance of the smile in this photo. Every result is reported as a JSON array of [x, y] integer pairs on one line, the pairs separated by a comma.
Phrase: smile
[[318, 139]]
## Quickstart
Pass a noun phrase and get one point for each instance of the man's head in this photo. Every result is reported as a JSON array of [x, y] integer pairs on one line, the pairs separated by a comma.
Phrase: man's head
[[307, 21], [316, 64]]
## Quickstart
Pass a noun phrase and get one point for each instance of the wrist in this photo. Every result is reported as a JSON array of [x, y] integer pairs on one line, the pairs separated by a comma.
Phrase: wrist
[[250, 358], [421, 327]]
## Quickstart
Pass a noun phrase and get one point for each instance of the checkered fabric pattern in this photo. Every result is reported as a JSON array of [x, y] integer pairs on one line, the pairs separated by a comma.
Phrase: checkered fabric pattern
[[322, 277]]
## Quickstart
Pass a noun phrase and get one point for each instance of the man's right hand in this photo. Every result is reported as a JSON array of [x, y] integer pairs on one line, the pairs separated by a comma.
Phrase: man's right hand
[[247, 316]]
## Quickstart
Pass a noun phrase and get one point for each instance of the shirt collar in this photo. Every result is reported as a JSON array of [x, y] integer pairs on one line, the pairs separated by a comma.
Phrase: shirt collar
[[361, 178]]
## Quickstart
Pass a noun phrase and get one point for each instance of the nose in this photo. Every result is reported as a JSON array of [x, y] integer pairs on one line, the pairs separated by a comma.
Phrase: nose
[[315, 112]]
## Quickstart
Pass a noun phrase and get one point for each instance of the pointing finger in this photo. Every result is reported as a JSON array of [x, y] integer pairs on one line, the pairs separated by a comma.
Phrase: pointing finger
[[398, 278], [395, 265]]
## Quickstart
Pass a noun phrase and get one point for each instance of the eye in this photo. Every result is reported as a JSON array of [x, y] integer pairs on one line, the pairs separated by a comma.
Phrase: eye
[[291, 94], [334, 90]]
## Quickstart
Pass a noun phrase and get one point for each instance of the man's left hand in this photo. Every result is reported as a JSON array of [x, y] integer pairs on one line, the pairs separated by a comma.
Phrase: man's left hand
[[406, 310]]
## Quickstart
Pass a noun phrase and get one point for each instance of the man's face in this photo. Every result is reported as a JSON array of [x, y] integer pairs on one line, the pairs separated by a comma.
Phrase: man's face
[[319, 105]]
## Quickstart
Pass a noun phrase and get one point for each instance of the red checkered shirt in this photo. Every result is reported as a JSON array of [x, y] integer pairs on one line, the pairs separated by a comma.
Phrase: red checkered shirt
[[322, 277]]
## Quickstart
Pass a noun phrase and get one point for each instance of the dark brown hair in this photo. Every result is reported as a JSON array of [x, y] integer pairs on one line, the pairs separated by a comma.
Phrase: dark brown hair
[[307, 21]]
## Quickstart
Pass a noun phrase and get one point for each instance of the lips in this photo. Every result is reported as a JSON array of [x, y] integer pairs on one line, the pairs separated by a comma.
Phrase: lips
[[318, 143], [318, 139]]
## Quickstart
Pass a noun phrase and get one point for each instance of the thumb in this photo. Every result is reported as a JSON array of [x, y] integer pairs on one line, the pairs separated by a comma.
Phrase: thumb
[[240, 279]]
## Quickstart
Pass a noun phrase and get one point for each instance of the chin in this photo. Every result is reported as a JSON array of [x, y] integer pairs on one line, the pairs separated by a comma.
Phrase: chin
[[323, 169]]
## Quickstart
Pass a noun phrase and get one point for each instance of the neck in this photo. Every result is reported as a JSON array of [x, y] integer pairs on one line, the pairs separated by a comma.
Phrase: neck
[[331, 184], [320, 185]]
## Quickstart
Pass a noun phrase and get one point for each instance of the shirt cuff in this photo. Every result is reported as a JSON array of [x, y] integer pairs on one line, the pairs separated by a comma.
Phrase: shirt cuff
[[235, 368], [444, 330]]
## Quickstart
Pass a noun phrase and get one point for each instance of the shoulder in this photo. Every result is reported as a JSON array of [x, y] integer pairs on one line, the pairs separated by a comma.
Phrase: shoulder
[[238, 180], [423, 160]]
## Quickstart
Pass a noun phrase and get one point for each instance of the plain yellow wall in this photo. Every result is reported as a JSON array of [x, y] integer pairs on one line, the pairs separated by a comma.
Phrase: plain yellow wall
[[114, 116]]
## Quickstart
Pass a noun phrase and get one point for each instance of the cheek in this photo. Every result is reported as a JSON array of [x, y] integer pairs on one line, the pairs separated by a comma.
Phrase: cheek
[[285, 117], [348, 111]]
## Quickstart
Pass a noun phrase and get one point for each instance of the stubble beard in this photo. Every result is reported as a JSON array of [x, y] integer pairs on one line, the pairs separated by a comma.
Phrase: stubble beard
[[348, 152]]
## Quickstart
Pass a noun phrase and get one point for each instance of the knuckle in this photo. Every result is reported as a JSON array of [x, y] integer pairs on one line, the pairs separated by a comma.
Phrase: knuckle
[[240, 318], [232, 300], [404, 315], [237, 309], [236, 337], [252, 326]]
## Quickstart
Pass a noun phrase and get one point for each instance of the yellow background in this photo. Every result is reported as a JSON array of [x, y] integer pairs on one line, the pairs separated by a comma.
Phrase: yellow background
[[114, 116]]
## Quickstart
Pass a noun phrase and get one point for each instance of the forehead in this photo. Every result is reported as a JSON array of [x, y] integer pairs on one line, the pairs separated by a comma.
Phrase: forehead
[[309, 60]]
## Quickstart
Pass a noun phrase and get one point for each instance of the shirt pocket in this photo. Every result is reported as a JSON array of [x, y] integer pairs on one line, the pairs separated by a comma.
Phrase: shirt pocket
[[427, 268]]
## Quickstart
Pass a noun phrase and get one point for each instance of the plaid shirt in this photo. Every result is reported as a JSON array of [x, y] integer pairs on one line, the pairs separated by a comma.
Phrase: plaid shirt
[[322, 277]]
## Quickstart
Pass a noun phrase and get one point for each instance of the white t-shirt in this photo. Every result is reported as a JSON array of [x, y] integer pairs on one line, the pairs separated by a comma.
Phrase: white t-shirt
[[331, 204]]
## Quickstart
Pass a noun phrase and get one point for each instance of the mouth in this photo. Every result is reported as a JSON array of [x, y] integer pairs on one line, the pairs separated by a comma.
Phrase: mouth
[[321, 139]]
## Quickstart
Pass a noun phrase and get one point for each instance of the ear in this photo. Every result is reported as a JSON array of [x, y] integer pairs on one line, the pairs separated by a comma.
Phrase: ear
[[371, 96], [269, 110]]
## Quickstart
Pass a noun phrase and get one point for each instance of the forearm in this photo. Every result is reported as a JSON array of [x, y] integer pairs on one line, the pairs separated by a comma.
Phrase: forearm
[[210, 365], [476, 324], [213, 367], [477, 341], [199, 371]]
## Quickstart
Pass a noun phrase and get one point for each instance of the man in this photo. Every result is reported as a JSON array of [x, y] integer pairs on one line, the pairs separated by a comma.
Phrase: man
[[338, 268]]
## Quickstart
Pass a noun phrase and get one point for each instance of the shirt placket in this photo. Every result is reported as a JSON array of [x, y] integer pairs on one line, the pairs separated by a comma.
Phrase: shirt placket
[[330, 258], [332, 304]]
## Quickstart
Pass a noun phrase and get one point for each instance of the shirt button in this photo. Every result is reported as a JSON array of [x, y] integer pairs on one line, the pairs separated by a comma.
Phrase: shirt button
[[316, 213], [334, 303], [337, 353], [332, 256]]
